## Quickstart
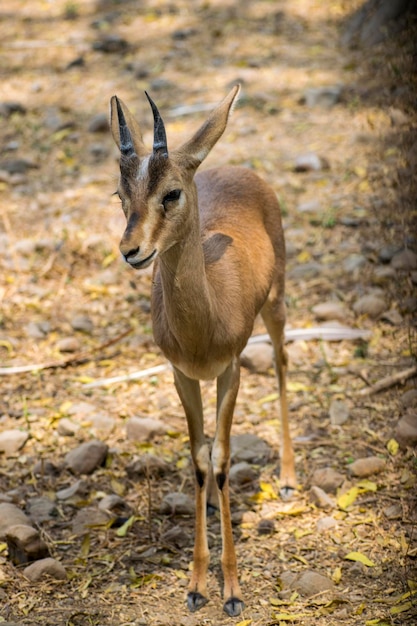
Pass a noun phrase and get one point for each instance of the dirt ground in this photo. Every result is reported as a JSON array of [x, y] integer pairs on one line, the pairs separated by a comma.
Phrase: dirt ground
[[59, 231]]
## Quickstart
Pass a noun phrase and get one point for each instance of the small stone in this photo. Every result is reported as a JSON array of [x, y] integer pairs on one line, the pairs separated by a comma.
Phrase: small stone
[[406, 430], [321, 499], [115, 506], [328, 479], [393, 316], [325, 524], [367, 466], [325, 97], [111, 44], [144, 428], [250, 448], [41, 509], [310, 162], [38, 330], [177, 504], [307, 583], [384, 273], [398, 117], [87, 519], [353, 263], [68, 344], [394, 511], [147, 464], [176, 536], [387, 252], [331, 310], [339, 412], [11, 515], [242, 474], [101, 424], [80, 489], [305, 271], [99, 124], [405, 260], [7, 108], [44, 467], [257, 357], [310, 206], [82, 323], [81, 409], [67, 428], [11, 441], [43, 568], [25, 545], [409, 399], [371, 305], [266, 527], [17, 166], [87, 457]]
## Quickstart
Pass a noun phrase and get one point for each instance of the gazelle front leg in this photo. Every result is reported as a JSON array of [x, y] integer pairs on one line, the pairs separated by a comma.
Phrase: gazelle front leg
[[227, 388], [190, 396]]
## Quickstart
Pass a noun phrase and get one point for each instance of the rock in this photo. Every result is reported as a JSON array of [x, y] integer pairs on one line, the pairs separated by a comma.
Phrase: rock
[[99, 151], [305, 271], [176, 536], [38, 330], [101, 424], [394, 511], [321, 499], [68, 344], [25, 545], [12, 440], [310, 161], [99, 124], [266, 527], [144, 428], [41, 509], [147, 464], [367, 466], [80, 489], [398, 117], [11, 515], [409, 399], [116, 508], [87, 457], [353, 263], [327, 479], [339, 412], [387, 252], [111, 44], [88, 519], [67, 427], [405, 260], [177, 504], [307, 583], [43, 568], [249, 448], [17, 166], [242, 474], [82, 323], [325, 524], [371, 305], [406, 430], [81, 409], [408, 305], [310, 206], [393, 316], [7, 108], [44, 467], [257, 357], [331, 310], [325, 97]]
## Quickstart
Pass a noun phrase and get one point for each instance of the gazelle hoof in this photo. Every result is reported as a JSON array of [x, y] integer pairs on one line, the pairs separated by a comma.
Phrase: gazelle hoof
[[233, 607], [195, 601], [286, 493]]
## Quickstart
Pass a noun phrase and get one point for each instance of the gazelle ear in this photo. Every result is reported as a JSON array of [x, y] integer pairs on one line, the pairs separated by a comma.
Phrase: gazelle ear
[[125, 130], [197, 148]]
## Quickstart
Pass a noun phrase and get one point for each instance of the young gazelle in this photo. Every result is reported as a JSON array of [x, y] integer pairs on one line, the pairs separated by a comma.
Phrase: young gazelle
[[218, 250]]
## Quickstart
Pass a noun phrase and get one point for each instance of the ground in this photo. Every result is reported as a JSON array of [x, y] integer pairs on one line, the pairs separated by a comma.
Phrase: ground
[[60, 227]]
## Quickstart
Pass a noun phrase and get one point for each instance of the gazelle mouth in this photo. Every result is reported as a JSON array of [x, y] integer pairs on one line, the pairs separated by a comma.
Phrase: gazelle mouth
[[138, 265]]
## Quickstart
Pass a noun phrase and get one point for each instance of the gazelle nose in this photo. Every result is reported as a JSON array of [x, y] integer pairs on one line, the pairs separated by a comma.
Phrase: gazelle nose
[[131, 253]]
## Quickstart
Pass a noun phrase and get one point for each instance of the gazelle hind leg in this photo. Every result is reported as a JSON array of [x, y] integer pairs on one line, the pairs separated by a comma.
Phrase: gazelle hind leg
[[273, 314]]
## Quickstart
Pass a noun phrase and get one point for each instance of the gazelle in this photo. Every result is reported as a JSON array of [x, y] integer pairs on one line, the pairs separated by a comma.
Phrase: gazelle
[[216, 242]]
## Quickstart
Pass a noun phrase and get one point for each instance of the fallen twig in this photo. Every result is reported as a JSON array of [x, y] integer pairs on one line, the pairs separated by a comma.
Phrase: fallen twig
[[389, 381]]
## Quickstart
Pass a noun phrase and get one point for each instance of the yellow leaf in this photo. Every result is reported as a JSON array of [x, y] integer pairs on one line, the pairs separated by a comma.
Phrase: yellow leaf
[[85, 547], [293, 385], [360, 171], [270, 398], [268, 489], [346, 500], [401, 608], [393, 447], [364, 186], [108, 260], [3, 547], [289, 617], [180, 574], [366, 485], [122, 531], [246, 622], [361, 558], [337, 575], [304, 257], [65, 406]]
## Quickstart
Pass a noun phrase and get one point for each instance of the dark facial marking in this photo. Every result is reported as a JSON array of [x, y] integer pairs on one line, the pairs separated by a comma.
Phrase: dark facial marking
[[215, 247]]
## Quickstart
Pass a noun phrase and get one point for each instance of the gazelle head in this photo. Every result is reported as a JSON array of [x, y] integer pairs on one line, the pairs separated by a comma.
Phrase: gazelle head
[[156, 189]]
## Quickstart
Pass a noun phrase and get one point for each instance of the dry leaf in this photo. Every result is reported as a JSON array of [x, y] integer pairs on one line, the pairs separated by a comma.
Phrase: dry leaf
[[361, 558]]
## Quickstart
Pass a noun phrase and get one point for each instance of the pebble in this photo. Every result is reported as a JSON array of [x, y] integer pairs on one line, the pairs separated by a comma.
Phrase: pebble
[[242, 474], [339, 412], [82, 323], [68, 344], [87, 457], [81, 409], [308, 583], [257, 357], [325, 524], [101, 424], [310, 206], [394, 511], [309, 162], [393, 316], [67, 427], [11, 515], [328, 479], [406, 430], [266, 527], [99, 124], [405, 260], [111, 44], [9, 107], [44, 467], [87, 519], [147, 464], [331, 310], [387, 252], [115, 506], [45, 567], [11, 441], [177, 504], [176, 536], [323, 96], [353, 263], [367, 466], [41, 509], [144, 428], [24, 544], [80, 488], [383, 273], [17, 166], [250, 448], [321, 499], [371, 305], [305, 271], [38, 330], [409, 399]]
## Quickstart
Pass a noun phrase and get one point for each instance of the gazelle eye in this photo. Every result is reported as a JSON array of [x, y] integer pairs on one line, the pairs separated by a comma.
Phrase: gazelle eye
[[172, 196]]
